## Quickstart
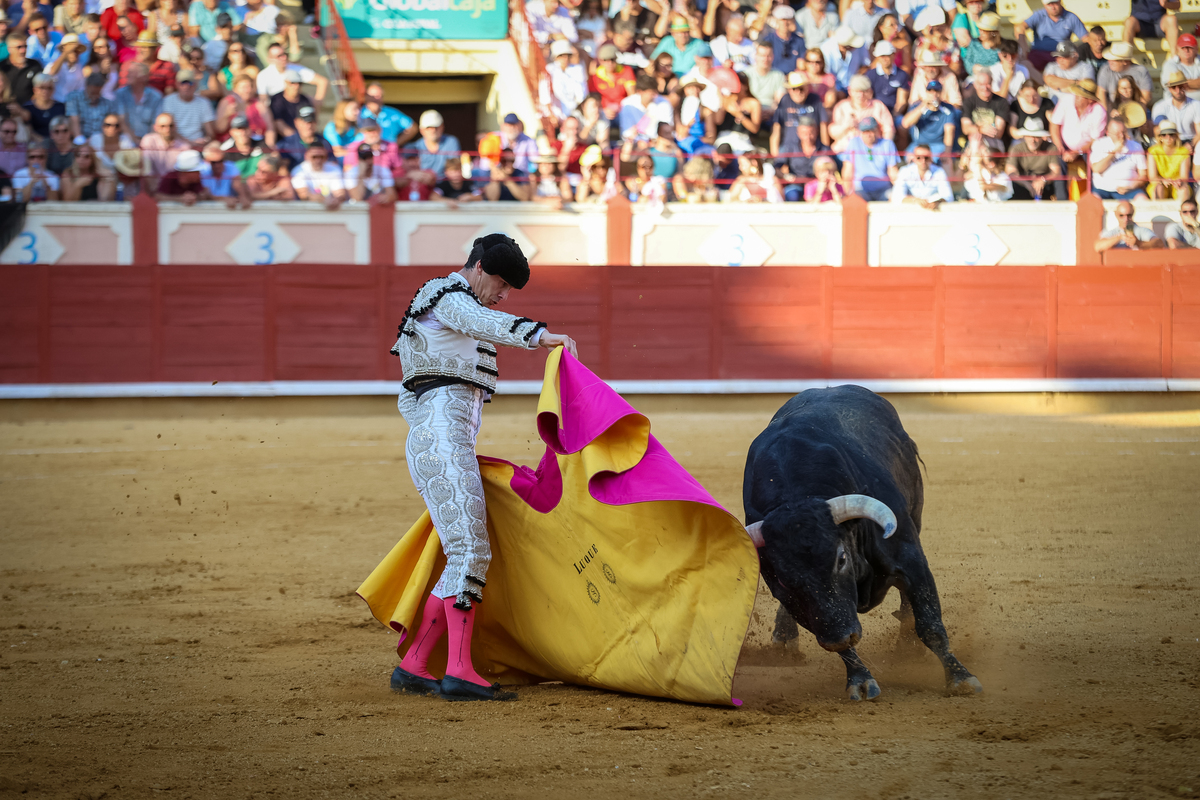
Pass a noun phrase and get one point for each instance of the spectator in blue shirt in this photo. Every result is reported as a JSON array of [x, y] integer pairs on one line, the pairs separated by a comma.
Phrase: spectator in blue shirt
[[845, 56], [395, 125], [1149, 19], [682, 48], [783, 39], [870, 162], [202, 18], [922, 182], [890, 84], [933, 123], [435, 146], [42, 44], [1051, 25]]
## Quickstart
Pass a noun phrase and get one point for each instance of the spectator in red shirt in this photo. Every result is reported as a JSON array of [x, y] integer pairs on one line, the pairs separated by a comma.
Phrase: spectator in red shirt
[[413, 183], [121, 8], [183, 183], [612, 81], [162, 73]]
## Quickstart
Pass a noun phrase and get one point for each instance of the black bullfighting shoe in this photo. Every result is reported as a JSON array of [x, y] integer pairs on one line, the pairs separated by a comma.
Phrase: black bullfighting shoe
[[458, 689], [404, 681]]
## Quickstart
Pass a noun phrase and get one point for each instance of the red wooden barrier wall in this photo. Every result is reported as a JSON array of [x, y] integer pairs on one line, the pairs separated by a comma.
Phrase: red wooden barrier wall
[[202, 323]]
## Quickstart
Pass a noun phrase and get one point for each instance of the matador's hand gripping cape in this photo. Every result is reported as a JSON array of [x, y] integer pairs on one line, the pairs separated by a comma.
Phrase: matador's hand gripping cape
[[612, 567]]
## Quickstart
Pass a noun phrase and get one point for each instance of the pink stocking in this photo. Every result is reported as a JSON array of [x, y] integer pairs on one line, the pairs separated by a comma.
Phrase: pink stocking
[[430, 632], [458, 657]]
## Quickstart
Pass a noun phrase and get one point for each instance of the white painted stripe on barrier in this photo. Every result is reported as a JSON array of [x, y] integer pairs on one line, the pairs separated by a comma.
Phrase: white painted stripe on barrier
[[370, 388]]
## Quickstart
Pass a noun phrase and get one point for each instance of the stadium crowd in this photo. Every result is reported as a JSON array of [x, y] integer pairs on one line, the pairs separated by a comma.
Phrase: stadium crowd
[[918, 102]]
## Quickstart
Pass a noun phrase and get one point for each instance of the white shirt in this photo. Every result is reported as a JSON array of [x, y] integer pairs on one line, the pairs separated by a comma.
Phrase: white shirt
[[1185, 118], [933, 185], [263, 20], [642, 123], [569, 87], [21, 179], [741, 54], [189, 115], [710, 95], [1020, 75], [326, 183], [270, 80], [429, 318], [561, 22], [1124, 168], [379, 179], [975, 191]]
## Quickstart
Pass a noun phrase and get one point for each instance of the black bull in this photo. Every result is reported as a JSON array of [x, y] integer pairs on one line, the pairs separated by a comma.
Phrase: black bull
[[832, 443]]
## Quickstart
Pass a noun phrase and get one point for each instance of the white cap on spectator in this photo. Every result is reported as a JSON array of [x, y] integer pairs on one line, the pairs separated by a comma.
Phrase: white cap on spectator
[[929, 17], [883, 48], [784, 12], [846, 37], [431, 119], [292, 76], [561, 47], [188, 161]]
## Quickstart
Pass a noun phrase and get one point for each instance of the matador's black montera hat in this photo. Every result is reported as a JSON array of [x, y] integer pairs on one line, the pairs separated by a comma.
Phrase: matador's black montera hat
[[501, 256]]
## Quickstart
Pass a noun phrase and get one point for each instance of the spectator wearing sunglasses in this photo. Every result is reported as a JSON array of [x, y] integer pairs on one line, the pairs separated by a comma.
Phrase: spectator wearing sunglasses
[[12, 152], [61, 146], [1128, 235], [110, 141], [1184, 234], [20, 70], [319, 179], [43, 43], [38, 112], [35, 182], [163, 146], [922, 182]]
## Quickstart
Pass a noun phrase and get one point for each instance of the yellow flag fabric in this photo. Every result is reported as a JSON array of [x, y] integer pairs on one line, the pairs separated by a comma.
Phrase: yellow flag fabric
[[611, 566]]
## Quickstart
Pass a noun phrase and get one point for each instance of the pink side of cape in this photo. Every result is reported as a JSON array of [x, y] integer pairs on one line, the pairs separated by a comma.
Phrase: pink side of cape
[[589, 407]]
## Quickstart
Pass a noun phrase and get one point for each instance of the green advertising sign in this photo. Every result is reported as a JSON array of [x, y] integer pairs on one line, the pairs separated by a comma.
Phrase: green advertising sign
[[425, 19]]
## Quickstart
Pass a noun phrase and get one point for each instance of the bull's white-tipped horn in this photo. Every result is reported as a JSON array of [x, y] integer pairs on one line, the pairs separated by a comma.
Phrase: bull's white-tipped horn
[[755, 531], [859, 506]]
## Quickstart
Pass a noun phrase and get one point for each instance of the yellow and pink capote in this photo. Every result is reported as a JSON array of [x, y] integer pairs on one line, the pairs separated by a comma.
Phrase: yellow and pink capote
[[611, 565]]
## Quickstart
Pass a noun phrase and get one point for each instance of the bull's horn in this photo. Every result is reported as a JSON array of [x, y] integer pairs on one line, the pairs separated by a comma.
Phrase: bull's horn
[[859, 506], [755, 531]]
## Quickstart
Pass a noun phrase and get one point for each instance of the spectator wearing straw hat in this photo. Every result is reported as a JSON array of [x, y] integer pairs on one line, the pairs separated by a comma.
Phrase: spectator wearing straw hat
[[1066, 71], [1119, 170], [783, 39], [870, 163], [798, 102], [984, 51], [1051, 25], [1033, 164], [131, 171], [1118, 62], [1149, 20], [435, 146], [161, 73], [922, 182], [931, 68], [1169, 164], [1178, 108], [568, 82], [680, 45], [1184, 61], [844, 56], [68, 68], [1075, 125]]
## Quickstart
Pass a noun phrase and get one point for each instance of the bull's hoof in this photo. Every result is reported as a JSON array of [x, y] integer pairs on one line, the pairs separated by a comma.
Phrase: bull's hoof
[[855, 691], [965, 685]]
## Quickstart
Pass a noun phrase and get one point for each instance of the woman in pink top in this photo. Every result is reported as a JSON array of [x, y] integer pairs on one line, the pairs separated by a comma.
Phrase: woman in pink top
[[819, 81], [825, 187], [861, 103]]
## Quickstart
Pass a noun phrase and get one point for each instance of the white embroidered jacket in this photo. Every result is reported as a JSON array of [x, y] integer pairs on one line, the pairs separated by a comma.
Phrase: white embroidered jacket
[[448, 333]]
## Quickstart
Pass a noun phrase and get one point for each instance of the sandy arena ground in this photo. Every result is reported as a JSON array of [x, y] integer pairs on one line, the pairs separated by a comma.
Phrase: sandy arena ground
[[179, 621]]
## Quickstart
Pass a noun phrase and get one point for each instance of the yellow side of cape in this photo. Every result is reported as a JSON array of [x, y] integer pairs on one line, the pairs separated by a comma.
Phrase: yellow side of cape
[[651, 598]]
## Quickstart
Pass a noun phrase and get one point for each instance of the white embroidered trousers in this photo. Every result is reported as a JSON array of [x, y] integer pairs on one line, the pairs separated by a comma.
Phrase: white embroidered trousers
[[440, 450]]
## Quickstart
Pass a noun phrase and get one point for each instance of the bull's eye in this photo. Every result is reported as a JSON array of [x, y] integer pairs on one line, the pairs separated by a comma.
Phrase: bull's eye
[[842, 559]]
